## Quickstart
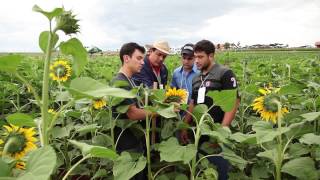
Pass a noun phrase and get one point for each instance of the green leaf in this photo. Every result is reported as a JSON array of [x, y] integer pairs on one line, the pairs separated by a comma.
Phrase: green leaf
[[20, 119], [168, 129], [49, 15], [125, 167], [296, 150], [43, 40], [265, 132], [5, 168], [95, 151], [75, 48], [233, 158], [219, 132], [291, 89], [310, 116], [310, 138], [40, 164], [167, 112], [171, 151], [90, 88], [269, 154], [158, 94], [125, 123], [59, 132], [88, 128], [226, 99], [244, 138], [302, 168], [199, 110], [10, 63], [122, 109]]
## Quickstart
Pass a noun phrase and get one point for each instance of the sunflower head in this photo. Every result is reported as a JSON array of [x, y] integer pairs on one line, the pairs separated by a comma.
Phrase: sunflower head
[[67, 23], [18, 141], [99, 103], [267, 106], [176, 95], [60, 70]]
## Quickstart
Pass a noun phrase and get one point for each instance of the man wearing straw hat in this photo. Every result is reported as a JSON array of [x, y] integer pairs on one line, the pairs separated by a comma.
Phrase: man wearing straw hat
[[154, 73]]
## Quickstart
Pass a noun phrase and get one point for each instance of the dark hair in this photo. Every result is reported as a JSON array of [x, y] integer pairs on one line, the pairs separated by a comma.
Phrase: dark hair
[[204, 45], [129, 48]]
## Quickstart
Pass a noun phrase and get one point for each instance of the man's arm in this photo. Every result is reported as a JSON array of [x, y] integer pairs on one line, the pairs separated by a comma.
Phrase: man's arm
[[135, 113], [229, 82], [188, 116], [229, 116]]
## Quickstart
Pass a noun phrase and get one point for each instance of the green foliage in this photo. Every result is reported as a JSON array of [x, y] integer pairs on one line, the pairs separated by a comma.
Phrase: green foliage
[[302, 168], [126, 166], [75, 48], [10, 63], [40, 164], [171, 151], [20, 120]]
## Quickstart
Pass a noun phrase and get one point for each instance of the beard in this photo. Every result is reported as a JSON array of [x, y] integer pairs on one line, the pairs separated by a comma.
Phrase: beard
[[205, 66]]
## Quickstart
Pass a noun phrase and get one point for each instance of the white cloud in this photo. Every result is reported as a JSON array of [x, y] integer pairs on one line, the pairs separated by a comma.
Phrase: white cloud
[[109, 24], [291, 23]]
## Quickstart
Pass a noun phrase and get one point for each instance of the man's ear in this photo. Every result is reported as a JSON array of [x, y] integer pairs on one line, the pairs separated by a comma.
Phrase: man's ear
[[126, 58], [211, 56]]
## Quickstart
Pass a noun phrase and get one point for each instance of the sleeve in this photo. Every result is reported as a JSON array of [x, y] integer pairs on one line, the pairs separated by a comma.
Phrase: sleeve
[[229, 81]]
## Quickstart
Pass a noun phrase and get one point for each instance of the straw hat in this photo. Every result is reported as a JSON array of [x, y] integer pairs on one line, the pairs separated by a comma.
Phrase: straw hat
[[162, 46]]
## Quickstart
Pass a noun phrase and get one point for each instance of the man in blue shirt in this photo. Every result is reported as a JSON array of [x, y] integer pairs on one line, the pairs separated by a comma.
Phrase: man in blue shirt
[[183, 75]]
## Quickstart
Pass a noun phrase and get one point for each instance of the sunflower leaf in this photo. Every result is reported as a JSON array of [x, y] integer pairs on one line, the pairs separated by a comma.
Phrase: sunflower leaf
[[40, 164], [75, 48], [43, 40], [225, 99], [20, 119]]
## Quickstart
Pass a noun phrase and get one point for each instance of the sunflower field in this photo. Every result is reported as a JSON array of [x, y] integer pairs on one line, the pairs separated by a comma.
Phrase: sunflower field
[[58, 115]]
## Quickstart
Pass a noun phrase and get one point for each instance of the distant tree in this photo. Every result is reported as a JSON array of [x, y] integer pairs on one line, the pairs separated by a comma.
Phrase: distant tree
[[94, 50], [227, 45]]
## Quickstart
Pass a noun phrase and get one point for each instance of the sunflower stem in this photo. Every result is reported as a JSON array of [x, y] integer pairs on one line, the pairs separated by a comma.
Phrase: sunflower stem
[[280, 150], [45, 91], [147, 134]]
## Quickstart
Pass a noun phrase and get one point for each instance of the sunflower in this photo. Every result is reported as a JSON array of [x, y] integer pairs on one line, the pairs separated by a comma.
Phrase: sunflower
[[21, 165], [60, 70], [18, 141], [99, 103], [266, 106], [176, 95]]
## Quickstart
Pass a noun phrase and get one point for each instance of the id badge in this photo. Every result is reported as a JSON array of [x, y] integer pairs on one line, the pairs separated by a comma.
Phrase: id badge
[[161, 86], [201, 95]]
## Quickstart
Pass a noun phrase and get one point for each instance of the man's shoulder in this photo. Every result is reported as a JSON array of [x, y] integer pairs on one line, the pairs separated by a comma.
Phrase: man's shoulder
[[177, 70]]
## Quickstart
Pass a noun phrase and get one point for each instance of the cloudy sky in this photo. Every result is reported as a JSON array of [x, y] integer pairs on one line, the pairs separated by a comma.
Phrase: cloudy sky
[[110, 23]]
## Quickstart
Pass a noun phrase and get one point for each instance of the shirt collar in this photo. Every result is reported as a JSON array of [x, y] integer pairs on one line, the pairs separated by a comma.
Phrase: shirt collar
[[194, 68]]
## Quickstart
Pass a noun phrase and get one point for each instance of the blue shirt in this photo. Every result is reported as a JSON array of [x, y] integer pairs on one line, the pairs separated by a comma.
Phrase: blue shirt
[[183, 80]]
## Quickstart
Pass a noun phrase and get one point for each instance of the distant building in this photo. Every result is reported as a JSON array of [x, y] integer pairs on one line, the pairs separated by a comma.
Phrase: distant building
[[317, 44]]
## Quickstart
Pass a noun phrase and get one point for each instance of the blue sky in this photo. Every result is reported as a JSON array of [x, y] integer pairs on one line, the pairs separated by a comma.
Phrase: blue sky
[[109, 24]]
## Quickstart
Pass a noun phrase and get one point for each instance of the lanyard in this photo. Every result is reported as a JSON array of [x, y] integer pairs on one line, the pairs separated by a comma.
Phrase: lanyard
[[157, 76], [202, 81], [130, 80]]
